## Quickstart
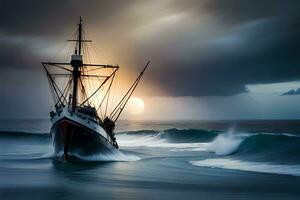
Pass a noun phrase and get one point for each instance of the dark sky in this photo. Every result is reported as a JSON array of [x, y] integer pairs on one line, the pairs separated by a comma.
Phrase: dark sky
[[198, 48]]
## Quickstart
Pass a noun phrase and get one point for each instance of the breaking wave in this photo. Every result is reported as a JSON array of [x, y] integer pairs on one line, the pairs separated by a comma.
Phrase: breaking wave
[[168, 138], [225, 144], [183, 140], [252, 146], [242, 146]]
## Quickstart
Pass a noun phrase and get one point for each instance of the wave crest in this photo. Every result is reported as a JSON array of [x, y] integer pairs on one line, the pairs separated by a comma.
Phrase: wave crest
[[225, 144], [113, 156], [249, 166]]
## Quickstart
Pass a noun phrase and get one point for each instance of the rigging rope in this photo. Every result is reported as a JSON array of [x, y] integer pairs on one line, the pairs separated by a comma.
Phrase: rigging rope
[[119, 108]]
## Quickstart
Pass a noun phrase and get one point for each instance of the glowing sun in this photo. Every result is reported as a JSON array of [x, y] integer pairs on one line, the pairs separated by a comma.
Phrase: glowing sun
[[136, 105]]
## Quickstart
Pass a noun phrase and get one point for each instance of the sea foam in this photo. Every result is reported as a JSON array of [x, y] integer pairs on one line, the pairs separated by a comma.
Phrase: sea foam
[[225, 144], [156, 141], [117, 155], [249, 166]]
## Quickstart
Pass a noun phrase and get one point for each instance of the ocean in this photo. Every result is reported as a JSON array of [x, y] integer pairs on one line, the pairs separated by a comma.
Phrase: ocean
[[157, 160]]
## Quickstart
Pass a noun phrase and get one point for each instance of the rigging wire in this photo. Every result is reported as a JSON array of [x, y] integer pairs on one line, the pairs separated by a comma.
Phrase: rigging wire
[[114, 88], [107, 102], [106, 79], [56, 98], [54, 85], [65, 86], [107, 92], [83, 71], [63, 48], [108, 89], [107, 58], [88, 58], [119, 108]]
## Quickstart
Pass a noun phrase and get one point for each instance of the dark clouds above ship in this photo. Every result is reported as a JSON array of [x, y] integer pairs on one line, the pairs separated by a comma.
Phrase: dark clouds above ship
[[197, 48]]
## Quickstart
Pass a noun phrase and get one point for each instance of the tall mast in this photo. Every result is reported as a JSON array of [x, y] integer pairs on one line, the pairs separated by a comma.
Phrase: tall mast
[[76, 62], [79, 35]]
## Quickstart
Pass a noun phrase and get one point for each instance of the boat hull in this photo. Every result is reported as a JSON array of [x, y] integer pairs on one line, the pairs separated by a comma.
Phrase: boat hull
[[71, 138]]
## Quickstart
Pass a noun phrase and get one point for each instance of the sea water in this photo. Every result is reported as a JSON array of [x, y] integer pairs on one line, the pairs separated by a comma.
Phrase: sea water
[[157, 160]]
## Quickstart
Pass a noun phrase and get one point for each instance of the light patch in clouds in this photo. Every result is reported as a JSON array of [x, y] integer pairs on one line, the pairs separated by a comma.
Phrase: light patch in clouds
[[273, 88], [37, 45], [160, 25]]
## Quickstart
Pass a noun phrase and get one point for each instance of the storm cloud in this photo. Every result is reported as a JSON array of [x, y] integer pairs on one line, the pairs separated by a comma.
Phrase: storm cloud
[[197, 47]]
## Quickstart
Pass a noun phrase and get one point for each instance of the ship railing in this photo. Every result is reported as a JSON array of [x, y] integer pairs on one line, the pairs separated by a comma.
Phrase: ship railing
[[85, 117]]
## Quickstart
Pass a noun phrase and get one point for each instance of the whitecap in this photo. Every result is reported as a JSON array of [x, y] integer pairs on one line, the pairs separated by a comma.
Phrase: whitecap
[[112, 156], [249, 166], [225, 144]]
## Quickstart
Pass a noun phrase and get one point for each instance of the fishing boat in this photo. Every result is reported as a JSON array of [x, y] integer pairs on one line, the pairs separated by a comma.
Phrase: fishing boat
[[77, 127]]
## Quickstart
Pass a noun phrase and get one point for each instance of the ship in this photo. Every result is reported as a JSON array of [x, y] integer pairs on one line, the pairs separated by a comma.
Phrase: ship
[[77, 127]]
